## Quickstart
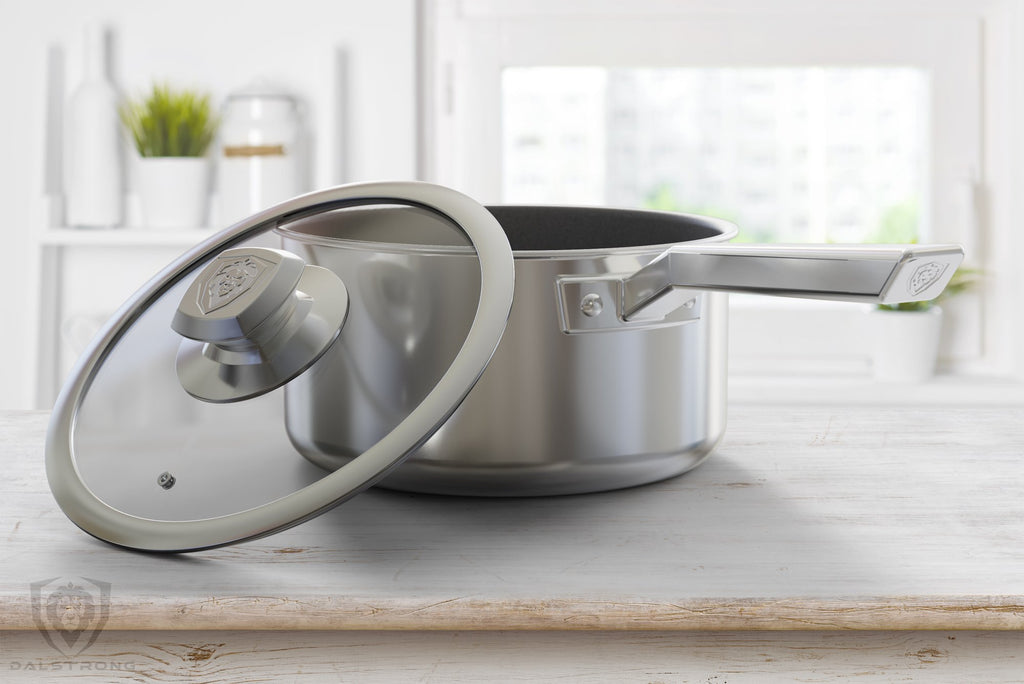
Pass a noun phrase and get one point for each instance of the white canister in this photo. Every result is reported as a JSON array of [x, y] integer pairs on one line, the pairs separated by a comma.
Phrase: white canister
[[259, 162]]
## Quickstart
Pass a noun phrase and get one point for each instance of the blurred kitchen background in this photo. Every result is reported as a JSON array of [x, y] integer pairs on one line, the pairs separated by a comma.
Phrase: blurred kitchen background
[[801, 121]]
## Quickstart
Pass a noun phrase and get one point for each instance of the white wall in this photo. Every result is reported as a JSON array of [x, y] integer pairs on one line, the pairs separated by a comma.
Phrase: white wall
[[353, 63]]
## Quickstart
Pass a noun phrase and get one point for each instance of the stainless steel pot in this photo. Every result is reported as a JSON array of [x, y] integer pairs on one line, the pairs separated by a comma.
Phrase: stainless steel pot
[[388, 320], [612, 369]]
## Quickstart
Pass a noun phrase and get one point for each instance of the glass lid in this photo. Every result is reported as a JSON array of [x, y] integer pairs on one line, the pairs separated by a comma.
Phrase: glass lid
[[280, 367]]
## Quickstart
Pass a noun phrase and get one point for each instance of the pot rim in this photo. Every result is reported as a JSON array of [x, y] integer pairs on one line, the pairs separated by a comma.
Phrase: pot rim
[[728, 230]]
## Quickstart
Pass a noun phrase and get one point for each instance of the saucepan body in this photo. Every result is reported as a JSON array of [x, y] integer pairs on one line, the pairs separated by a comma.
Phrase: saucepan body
[[556, 411]]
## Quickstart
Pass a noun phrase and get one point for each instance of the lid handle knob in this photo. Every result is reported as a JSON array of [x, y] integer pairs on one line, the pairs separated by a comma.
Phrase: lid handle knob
[[255, 318], [238, 293]]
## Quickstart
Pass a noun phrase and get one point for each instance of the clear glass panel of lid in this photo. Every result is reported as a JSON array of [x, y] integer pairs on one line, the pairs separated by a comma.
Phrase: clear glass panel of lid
[[145, 447]]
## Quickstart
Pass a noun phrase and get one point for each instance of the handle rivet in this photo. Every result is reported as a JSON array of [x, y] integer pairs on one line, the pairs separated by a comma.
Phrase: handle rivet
[[591, 305], [166, 480]]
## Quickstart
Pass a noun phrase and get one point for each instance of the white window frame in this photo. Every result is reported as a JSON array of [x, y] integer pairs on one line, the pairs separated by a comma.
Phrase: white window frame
[[970, 48]]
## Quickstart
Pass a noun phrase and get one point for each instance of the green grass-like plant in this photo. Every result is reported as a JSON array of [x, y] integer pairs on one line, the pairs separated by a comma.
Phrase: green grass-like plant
[[169, 123]]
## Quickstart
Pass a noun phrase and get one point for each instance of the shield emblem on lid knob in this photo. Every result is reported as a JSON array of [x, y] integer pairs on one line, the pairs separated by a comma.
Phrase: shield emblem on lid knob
[[231, 279]]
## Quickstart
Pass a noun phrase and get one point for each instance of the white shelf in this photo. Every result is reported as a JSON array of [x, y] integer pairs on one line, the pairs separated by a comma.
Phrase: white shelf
[[124, 237]]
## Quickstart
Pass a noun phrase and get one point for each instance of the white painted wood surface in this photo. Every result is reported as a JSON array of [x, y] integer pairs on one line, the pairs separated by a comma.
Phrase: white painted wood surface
[[807, 517]]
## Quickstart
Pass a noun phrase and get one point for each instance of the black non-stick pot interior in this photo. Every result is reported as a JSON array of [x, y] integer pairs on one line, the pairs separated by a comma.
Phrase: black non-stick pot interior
[[529, 228], [569, 228]]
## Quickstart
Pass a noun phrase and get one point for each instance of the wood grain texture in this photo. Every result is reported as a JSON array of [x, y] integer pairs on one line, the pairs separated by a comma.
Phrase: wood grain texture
[[807, 518], [446, 657]]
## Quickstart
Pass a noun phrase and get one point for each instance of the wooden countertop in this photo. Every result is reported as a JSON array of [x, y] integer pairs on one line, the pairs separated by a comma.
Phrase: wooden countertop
[[806, 518]]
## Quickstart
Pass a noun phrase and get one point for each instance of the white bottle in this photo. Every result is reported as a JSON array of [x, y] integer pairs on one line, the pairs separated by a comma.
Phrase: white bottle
[[93, 175]]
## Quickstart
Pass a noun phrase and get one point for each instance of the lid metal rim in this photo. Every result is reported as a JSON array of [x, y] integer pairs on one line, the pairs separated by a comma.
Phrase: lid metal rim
[[99, 519]]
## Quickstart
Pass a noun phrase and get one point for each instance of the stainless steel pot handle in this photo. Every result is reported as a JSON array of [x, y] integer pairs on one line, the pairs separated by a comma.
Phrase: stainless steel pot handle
[[886, 274], [663, 291]]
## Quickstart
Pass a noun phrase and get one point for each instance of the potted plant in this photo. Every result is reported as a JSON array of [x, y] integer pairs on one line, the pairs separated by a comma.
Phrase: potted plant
[[172, 131], [906, 336]]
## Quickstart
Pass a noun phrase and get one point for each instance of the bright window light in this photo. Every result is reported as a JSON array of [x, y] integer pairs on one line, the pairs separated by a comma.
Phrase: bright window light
[[791, 154]]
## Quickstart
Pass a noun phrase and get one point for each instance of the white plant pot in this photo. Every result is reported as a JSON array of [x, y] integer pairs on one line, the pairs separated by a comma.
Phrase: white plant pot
[[906, 344], [174, 191]]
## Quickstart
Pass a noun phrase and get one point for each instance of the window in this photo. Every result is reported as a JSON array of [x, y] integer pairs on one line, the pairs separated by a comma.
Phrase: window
[[790, 154], [859, 122]]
